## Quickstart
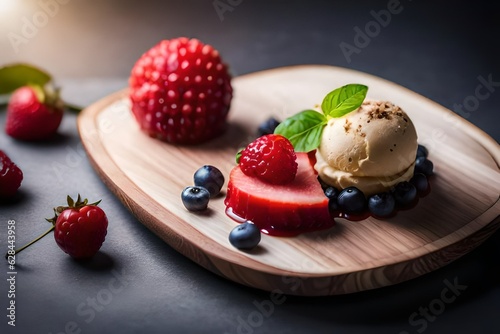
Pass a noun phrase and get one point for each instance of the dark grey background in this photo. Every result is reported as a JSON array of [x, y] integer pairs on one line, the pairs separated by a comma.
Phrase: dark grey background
[[437, 50]]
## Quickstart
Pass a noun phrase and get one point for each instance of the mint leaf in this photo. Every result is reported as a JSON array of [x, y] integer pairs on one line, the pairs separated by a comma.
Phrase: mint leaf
[[17, 75], [303, 130], [238, 155], [343, 100]]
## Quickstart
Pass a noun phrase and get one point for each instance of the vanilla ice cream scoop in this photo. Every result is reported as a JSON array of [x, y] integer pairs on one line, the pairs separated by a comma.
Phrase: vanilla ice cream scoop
[[372, 148]]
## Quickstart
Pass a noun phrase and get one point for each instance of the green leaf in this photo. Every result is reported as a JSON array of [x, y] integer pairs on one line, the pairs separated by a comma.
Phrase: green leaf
[[17, 75], [343, 100], [238, 155], [303, 130]]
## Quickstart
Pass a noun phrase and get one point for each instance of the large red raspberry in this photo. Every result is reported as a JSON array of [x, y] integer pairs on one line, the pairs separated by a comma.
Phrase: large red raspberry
[[270, 158], [181, 91]]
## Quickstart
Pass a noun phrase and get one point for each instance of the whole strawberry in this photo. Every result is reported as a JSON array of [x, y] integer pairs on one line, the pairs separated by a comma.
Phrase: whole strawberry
[[181, 91], [33, 113], [80, 228], [271, 158], [10, 177]]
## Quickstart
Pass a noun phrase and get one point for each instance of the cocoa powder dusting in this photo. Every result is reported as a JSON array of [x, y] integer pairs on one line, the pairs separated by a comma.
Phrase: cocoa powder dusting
[[383, 110]]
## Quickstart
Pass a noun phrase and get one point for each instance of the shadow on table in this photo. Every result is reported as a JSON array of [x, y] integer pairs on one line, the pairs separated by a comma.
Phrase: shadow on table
[[59, 139], [462, 281], [18, 199], [99, 262]]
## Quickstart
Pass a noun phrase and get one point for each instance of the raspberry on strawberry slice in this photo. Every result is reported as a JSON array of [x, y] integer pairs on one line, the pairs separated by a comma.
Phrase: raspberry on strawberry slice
[[33, 113], [284, 210], [10, 177], [181, 91], [271, 158]]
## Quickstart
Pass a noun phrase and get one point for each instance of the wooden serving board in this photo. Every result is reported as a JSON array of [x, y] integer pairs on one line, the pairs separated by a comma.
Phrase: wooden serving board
[[148, 176]]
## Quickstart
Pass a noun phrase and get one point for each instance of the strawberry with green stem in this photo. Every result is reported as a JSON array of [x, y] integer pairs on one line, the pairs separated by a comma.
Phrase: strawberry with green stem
[[34, 113], [35, 109], [80, 228]]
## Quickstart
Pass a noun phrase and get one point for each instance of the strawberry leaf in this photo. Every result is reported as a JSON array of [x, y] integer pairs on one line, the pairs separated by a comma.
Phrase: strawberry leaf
[[343, 100], [303, 130], [17, 75]]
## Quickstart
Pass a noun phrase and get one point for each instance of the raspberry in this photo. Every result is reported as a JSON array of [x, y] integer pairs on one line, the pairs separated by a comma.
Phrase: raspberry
[[81, 231], [181, 91], [270, 158], [10, 177]]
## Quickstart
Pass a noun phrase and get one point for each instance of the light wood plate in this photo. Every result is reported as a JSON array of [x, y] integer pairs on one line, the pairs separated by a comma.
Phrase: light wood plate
[[148, 176]]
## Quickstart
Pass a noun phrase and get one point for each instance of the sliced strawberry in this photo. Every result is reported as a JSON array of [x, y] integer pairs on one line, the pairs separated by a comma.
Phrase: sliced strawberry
[[286, 209]]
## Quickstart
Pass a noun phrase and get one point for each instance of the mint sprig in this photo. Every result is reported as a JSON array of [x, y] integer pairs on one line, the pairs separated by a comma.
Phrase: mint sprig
[[304, 129]]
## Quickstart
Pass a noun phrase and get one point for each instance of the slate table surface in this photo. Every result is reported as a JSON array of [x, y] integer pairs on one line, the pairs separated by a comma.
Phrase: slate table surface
[[137, 283]]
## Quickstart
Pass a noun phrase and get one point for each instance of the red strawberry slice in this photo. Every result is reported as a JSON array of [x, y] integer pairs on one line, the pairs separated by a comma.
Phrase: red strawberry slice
[[286, 209]]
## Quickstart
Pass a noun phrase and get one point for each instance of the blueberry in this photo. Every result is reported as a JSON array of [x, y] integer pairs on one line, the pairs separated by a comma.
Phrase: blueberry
[[195, 198], [245, 236], [405, 193], [267, 127], [422, 151], [420, 182], [424, 166], [382, 204], [352, 200], [210, 178], [332, 194]]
